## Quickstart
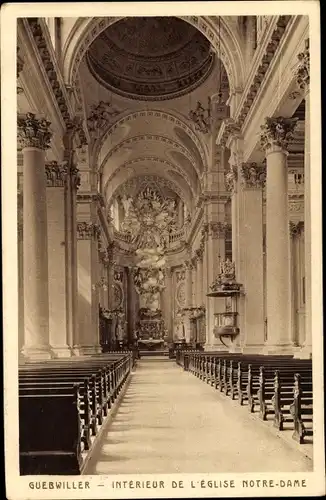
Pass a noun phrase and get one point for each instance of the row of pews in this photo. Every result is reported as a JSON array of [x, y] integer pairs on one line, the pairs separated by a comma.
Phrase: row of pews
[[278, 387], [63, 404]]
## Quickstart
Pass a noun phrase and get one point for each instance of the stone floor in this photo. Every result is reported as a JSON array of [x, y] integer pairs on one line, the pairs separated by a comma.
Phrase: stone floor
[[169, 421]]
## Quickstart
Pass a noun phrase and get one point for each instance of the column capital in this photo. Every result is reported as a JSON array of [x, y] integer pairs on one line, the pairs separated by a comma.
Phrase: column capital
[[253, 175], [55, 174], [217, 229], [276, 133], [296, 228], [302, 70], [87, 230], [33, 132]]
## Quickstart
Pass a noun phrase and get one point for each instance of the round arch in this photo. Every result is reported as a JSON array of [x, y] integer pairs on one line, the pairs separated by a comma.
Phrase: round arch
[[161, 161], [86, 30], [173, 119], [149, 137]]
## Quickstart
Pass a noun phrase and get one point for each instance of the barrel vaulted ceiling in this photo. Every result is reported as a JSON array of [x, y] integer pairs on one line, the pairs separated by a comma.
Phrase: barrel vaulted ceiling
[[145, 75]]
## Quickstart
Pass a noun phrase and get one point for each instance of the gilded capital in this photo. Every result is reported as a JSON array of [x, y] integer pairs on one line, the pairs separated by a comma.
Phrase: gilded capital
[[33, 132], [302, 71], [277, 131], [55, 174], [253, 175]]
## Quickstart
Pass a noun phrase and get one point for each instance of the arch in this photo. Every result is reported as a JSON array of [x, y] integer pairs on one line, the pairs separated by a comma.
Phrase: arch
[[150, 137], [153, 159], [85, 31], [173, 119], [155, 177]]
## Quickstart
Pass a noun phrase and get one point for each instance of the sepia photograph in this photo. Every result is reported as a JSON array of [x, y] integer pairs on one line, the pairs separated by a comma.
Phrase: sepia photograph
[[162, 224]]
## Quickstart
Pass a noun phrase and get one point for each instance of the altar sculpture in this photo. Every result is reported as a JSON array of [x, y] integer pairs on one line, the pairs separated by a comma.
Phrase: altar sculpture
[[149, 218]]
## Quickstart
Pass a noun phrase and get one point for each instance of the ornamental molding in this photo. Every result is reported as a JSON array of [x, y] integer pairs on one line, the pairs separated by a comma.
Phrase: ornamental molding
[[88, 197], [33, 132], [171, 119], [151, 137], [256, 78], [253, 175], [137, 182], [296, 206], [277, 132], [217, 229], [56, 174], [231, 178], [229, 129], [152, 159], [224, 43], [101, 115], [40, 35], [73, 173], [296, 228], [302, 71], [87, 230]]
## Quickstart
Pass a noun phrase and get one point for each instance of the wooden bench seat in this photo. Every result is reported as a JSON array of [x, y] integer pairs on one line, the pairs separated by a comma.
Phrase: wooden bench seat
[[81, 393], [278, 386]]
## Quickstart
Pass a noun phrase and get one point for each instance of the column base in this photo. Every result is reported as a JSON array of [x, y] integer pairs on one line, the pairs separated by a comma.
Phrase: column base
[[305, 352], [63, 351], [86, 350], [36, 353], [285, 349]]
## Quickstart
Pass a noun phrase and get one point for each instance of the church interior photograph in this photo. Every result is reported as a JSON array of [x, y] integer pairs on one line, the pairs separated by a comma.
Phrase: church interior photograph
[[164, 245]]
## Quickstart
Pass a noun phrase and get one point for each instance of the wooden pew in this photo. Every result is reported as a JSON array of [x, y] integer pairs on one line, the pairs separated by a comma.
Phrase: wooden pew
[[264, 382], [93, 383]]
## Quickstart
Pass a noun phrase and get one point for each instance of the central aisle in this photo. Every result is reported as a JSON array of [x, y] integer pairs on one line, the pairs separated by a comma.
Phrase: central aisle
[[169, 421]]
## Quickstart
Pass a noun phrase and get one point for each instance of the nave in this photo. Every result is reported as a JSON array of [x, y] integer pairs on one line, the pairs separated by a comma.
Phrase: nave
[[169, 421], [116, 414]]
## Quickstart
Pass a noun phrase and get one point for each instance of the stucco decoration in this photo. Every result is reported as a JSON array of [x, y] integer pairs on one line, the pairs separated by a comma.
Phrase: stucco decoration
[[150, 57]]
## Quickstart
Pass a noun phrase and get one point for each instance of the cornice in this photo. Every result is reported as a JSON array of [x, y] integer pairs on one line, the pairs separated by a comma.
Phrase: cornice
[[264, 56], [47, 61]]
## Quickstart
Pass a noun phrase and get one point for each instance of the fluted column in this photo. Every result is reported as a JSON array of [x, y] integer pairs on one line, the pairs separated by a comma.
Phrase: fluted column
[[250, 267], [303, 79], [34, 137], [58, 294], [276, 133]]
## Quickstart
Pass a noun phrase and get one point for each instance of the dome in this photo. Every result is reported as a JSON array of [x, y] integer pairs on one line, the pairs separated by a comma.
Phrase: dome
[[150, 58]]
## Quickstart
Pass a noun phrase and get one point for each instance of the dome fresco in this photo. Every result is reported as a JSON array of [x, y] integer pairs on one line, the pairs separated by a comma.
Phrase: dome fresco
[[150, 58]]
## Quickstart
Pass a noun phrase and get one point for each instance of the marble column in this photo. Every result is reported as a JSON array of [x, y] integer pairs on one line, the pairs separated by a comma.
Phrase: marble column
[[250, 267], [275, 136], [34, 138], [58, 318], [303, 79]]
